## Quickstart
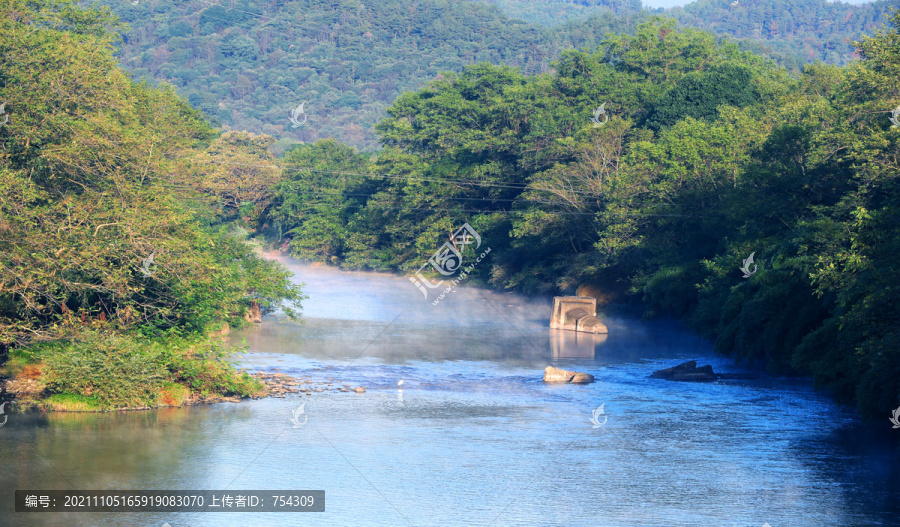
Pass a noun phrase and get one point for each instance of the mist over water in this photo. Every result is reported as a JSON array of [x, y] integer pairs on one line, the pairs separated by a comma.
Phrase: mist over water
[[474, 437]]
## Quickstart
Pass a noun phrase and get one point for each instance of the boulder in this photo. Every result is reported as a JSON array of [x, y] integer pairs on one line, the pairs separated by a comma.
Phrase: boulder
[[552, 374], [582, 378], [687, 371]]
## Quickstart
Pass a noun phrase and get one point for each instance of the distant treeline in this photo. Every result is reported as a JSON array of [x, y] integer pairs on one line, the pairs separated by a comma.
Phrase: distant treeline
[[248, 63]]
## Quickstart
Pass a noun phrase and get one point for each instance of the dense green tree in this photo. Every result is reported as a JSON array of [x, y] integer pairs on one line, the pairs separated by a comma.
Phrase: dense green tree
[[99, 225], [700, 94], [254, 62], [661, 160]]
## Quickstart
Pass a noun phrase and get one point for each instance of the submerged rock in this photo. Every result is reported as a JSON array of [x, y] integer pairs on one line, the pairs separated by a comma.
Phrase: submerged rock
[[552, 374], [687, 371]]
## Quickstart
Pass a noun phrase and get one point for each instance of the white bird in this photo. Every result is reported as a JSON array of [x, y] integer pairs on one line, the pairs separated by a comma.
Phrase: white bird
[[400, 383]]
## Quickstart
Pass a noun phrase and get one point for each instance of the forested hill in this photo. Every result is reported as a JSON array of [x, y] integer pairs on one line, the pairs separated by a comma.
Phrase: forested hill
[[250, 64], [793, 32], [247, 63], [809, 29]]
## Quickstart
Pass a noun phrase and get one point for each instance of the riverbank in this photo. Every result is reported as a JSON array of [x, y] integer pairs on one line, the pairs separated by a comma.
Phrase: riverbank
[[24, 393]]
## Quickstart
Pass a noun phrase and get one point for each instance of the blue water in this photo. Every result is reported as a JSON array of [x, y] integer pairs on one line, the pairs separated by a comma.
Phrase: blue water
[[474, 437]]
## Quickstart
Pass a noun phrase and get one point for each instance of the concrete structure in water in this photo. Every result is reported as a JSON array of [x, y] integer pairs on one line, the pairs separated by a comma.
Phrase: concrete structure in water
[[576, 313]]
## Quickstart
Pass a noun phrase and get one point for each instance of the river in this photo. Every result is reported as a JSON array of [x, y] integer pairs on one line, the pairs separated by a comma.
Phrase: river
[[473, 436]]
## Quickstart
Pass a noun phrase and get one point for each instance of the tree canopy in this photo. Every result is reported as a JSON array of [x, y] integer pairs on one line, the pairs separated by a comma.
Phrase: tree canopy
[[704, 155]]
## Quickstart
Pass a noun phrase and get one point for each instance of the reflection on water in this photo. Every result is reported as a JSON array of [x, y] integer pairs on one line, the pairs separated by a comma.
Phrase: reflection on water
[[574, 344], [474, 437]]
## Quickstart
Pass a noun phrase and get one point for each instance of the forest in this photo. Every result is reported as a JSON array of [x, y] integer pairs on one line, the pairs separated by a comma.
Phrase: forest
[[706, 155], [247, 64], [703, 155], [116, 274]]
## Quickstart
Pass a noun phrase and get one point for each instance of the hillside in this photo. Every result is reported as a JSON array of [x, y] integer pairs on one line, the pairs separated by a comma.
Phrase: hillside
[[248, 64], [793, 32], [811, 29]]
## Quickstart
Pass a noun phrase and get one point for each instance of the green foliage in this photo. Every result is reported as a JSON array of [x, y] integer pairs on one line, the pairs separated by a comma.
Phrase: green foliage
[[97, 174], [67, 402], [706, 154], [204, 367], [108, 235], [117, 371], [114, 371], [318, 196], [813, 30], [699, 95], [252, 63]]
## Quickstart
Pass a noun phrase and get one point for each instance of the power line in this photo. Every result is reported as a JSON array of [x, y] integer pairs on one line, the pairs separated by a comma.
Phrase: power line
[[323, 192], [470, 182], [181, 190]]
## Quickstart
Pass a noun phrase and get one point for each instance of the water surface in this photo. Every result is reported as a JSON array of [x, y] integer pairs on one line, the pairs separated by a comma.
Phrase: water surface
[[474, 437]]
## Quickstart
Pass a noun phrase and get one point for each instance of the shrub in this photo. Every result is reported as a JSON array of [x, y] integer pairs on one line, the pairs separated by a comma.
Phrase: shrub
[[115, 371], [203, 366]]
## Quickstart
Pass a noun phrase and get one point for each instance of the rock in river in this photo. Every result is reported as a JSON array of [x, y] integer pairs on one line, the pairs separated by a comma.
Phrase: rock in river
[[552, 374], [687, 371]]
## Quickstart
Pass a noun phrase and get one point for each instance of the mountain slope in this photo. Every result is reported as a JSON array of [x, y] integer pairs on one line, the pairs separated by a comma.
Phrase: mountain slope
[[248, 64]]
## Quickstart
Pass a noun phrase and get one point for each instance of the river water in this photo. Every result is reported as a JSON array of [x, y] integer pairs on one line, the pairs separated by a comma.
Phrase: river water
[[474, 437]]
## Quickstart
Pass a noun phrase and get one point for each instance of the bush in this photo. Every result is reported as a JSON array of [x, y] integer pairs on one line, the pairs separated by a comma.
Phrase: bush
[[203, 366], [114, 371]]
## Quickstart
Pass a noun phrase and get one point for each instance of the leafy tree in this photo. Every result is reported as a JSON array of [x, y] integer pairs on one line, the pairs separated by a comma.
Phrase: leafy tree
[[238, 170], [699, 95], [706, 154], [96, 177]]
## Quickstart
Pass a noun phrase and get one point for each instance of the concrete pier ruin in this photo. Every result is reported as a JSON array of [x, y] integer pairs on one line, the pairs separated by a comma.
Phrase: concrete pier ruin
[[576, 313]]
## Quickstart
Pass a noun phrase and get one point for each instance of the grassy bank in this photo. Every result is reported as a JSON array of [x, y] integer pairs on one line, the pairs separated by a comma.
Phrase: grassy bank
[[99, 372]]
